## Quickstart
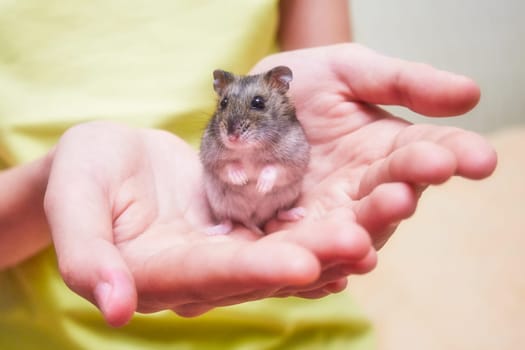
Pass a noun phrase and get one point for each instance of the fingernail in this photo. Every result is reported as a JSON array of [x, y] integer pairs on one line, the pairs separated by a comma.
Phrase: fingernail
[[102, 293]]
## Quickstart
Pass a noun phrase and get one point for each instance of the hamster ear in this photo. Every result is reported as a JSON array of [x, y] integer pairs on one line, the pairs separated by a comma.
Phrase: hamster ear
[[221, 79], [279, 78]]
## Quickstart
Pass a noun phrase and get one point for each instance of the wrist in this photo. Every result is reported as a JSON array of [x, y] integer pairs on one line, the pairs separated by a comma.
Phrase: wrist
[[23, 225]]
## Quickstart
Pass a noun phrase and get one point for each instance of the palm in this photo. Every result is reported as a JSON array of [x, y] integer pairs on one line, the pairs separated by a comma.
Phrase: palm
[[252, 267], [364, 159], [139, 204]]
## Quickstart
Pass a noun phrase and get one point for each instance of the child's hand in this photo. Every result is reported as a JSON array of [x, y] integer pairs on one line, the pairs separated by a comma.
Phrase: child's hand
[[364, 159], [128, 213]]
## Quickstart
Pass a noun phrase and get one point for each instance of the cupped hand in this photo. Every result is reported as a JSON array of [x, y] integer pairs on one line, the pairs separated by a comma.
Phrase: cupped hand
[[127, 213], [127, 210], [363, 158]]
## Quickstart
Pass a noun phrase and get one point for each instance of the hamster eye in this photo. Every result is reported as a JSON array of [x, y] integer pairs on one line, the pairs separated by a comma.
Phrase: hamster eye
[[224, 102], [258, 103]]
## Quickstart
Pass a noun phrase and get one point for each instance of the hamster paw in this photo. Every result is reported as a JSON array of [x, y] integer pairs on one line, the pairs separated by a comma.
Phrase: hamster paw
[[237, 175], [255, 229], [293, 214], [266, 179], [223, 228]]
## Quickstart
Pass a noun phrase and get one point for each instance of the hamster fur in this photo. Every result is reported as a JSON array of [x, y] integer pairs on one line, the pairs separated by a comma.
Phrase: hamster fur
[[254, 151]]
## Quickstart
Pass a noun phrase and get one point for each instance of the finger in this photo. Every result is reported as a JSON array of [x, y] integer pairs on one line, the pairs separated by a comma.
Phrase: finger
[[212, 271], [79, 214], [313, 294], [337, 286], [335, 274], [417, 163], [317, 291], [475, 157], [379, 79], [320, 291], [332, 239], [192, 309], [381, 211], [365, 265], [196, 309], [88, 261]]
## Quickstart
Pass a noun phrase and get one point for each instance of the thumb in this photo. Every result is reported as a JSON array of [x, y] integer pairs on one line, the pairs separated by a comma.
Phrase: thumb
[[79, 216]]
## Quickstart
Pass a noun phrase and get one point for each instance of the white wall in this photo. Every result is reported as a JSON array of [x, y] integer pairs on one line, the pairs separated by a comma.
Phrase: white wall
[[484, 39]]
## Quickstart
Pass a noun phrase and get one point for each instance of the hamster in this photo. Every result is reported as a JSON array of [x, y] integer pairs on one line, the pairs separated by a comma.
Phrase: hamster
[[254, 151]]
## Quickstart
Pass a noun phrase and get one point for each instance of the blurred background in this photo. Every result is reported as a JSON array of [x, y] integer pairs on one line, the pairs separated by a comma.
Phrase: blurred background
[[482, 39], [452, 277]]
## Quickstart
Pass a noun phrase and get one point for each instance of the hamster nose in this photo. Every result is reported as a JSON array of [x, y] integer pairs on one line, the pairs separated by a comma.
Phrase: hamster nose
[[233, 130], [233, 137]]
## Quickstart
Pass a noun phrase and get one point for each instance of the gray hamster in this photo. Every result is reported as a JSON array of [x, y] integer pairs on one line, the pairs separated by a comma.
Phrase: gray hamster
[[254, 151]]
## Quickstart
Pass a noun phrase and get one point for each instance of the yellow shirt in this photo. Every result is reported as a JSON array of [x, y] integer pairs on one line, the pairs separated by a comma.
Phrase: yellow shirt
[[147, 64]]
